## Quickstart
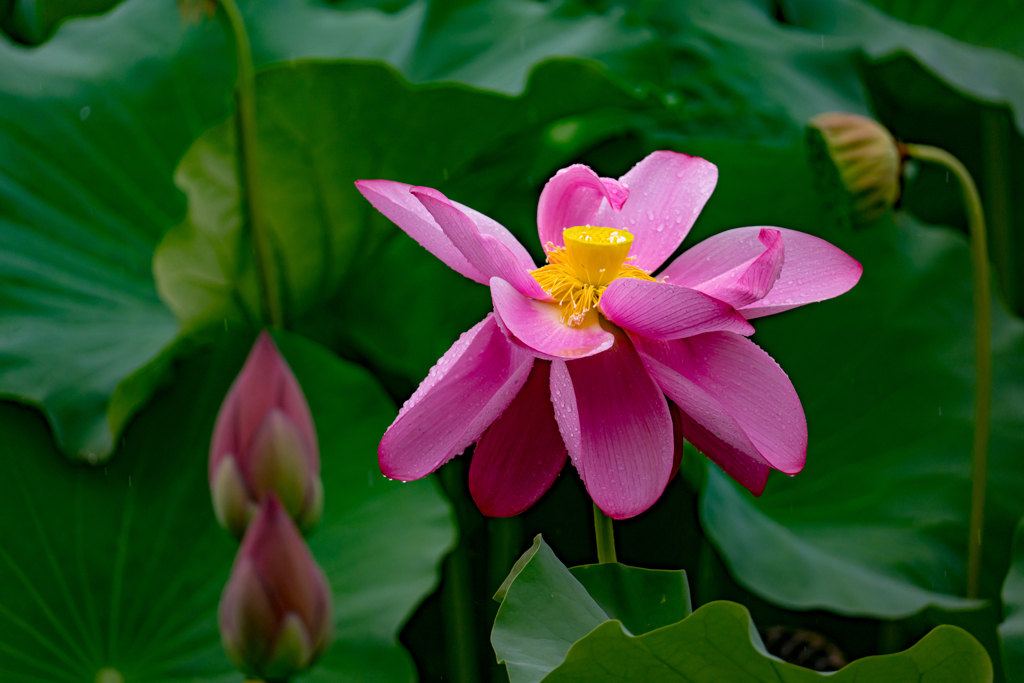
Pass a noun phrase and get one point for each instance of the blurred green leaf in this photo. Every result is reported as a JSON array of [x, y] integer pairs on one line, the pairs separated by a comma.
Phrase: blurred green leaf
[[91, 127], [990, 76], [32, 21], [992, 24], [122, 566], [545, 608], [1011, 631]]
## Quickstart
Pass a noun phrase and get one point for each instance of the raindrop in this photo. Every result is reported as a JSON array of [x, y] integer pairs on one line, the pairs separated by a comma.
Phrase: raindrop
[[83, 114]]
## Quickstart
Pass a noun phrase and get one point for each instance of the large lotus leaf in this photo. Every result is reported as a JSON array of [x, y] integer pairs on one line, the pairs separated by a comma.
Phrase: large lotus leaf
[[91, 127], [990, 24], [545, 608], [718, 642], [491, 45], [987, 75], [1011, 631], [121, 566], [550, 627]]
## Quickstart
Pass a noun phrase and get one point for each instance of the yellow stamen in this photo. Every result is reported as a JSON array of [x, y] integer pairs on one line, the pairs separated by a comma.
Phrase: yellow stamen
[[578, 273]]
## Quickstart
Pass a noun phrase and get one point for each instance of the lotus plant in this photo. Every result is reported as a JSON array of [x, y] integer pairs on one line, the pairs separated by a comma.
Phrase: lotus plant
[[275, 612], [264, 440], [590, 356]]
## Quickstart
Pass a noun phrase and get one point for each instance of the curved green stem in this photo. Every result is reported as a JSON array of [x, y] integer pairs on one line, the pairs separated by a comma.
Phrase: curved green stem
[[248, 160], [605, 536], [982, 351]]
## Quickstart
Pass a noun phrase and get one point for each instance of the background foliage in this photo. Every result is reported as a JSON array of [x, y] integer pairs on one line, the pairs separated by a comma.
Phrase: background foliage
[[121, 267]]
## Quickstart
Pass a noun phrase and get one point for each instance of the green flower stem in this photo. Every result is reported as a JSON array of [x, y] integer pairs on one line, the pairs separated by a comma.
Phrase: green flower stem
[[605, 536], [982, 351], [248, 159], [457, 589]]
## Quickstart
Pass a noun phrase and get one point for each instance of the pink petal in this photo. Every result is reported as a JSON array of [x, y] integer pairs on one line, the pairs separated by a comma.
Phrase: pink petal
[[814, 270], [395, 201], [617, 427], [539, 327], [572, 197], [751, 280], [484, 252], [733, 391], [706, 423], [521, 453], [472, 383], [659, 310], [667, 191]]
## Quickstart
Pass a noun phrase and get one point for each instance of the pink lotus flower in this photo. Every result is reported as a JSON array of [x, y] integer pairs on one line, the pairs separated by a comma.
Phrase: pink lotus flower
[[579, 355], [264, 440]]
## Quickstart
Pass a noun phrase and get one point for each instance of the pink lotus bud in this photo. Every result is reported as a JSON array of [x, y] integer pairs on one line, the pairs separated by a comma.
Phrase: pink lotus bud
[[264, 440], [275, 612]]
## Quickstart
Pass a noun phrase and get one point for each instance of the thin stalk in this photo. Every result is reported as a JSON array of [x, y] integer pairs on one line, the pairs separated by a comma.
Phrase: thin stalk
[[605, 535], [982, 351], [248, 158], [459, 619]]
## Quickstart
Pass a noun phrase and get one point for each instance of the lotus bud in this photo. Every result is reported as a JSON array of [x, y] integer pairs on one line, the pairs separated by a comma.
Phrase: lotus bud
[[275, 611], [867, 158], [264, 440]]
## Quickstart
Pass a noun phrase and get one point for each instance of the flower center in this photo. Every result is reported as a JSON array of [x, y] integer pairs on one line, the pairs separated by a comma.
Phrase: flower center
[[578, 273]]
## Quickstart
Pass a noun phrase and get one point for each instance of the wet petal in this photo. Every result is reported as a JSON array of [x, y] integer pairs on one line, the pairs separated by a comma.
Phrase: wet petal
[[659, 310], [572, 197], [472, 383], [813, 270], [539, 327], [735, 395], [484, 252], [521, 453], [617, 427], [667, 191], [396, 201]]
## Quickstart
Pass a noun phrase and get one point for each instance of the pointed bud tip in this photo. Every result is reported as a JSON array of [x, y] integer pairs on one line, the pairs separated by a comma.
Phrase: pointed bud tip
[[265, 424], [866, 157]]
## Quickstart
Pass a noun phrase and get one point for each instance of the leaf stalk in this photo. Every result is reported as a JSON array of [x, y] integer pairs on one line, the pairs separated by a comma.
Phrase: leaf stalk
[[982, 351], [248, 161]]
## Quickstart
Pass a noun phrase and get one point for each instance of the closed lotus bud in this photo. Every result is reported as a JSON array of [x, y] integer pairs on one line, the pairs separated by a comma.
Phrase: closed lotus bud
[[264, 440], [867, 158], [275, 612]]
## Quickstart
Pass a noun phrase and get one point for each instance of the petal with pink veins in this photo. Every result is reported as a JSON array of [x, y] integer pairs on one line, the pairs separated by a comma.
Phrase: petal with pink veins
[[395, 201], [739, 400], [572, 197], [813, 269], [468, 388], [539, 327], [521, 453], [659, 310], [667, 191], [617, 427], [484, 252]]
